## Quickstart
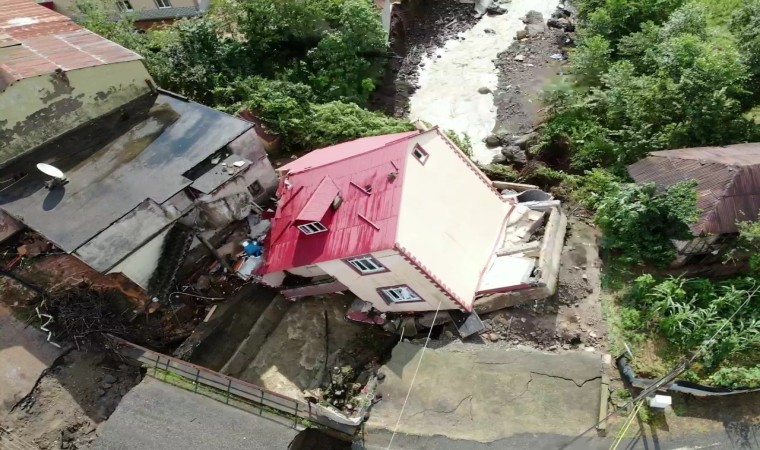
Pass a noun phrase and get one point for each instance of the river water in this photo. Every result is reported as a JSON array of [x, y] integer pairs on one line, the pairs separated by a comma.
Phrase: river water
[[449, 79]]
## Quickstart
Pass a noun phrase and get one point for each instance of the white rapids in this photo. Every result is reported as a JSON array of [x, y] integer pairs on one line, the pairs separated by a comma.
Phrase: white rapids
[[449, 79]]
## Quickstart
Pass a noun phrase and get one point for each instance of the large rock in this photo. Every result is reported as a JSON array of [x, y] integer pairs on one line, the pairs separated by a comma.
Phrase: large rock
[[526, 140], [521, 34], [493, 141], [534, 17], [514, 154], [562, 24], [499, 158]]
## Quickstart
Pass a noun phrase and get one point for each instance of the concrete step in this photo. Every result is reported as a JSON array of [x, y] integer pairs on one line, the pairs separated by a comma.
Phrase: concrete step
[[248, 348]]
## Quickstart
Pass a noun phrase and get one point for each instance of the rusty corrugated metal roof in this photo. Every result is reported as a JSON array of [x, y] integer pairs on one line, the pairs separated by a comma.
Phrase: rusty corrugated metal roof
[[728, 182], [35, 40]]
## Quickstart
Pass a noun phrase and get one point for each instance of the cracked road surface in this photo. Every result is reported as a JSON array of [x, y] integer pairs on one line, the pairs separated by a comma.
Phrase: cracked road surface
[[487, 395]]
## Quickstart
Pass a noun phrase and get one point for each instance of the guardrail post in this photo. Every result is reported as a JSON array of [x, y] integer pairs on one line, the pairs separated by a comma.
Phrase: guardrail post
[[261, 403], [295, 417], [197, 377], [229, 387], [167, 368]]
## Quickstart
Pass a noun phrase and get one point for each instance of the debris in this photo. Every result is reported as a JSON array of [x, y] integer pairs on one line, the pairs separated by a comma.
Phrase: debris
[[492, 141], [496, 10], [514, 154], [210, 313], [557, 56], [489, 31], [520, 57], [238, 163], [562, 24], [521, 34]]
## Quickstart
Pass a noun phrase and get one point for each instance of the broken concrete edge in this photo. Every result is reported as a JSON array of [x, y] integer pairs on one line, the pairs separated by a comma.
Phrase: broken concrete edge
[[601, 426], [205, 329], [518, 187]]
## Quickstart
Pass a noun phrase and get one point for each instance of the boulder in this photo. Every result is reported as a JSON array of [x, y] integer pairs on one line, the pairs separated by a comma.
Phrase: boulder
[[492, 141], [534, 17], [521, 34], [535, 29], [496, 10], [562, 24], [514, 154], [499, 158], [526, 140], [561, 13], [484, 90], [426, 319]]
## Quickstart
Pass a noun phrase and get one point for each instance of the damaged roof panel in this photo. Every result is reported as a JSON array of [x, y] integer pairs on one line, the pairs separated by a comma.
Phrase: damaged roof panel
[[119, 240], [146, 162], [223, 172]]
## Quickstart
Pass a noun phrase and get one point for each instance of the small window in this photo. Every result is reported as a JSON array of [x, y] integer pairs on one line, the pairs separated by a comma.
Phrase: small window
[[255, 188], [163, 3], [366, 265], [420, 154], [399, 294], [124, 6], [312, 228]]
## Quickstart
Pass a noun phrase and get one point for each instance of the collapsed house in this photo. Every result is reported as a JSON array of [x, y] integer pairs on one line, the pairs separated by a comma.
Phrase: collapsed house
[[728, 192], [146, 174], [407, 223]]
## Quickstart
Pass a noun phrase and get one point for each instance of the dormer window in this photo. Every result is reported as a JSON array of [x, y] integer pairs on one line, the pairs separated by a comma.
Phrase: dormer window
[[312, 228], [420, 154]]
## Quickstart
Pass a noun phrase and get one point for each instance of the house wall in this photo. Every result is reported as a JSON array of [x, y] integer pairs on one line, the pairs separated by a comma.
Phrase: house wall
[[450, 217], [38, 109], [140, 265], [68, 7], [308, 271], [400, 271]]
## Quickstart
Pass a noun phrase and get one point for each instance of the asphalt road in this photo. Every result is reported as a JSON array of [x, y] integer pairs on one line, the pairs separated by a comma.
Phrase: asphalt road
[[156, 415]]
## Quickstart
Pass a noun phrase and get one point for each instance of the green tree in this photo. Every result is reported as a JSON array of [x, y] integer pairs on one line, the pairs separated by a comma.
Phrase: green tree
[[638, 223], [745, 25]]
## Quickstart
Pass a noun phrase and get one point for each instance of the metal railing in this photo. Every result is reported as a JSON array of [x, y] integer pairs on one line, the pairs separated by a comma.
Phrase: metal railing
[[232, 390]]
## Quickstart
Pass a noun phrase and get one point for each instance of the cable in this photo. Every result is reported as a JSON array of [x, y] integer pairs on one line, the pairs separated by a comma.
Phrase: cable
[[626, 425], [411, 385]]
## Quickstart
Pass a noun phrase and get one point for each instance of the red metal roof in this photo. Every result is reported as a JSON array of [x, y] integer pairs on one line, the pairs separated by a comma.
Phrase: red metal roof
[[35, 40], [367, 217], [342, 151], [728, 182], [321, 199]]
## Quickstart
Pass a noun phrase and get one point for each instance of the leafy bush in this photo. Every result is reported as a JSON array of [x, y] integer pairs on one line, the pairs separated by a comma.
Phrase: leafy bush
[[592, 59], [593, 186], [337, 121], [737, 377], [463, 142], [745, 24], [638, 224]]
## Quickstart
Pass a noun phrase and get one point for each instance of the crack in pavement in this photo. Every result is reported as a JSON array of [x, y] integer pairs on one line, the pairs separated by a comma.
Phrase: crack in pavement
[[567, 379], [469, 397]]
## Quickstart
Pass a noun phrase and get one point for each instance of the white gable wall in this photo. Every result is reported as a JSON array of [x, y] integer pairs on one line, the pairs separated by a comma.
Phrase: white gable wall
[[450, 219]]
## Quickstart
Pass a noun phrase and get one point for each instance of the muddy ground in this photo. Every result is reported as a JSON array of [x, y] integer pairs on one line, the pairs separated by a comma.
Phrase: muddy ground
[[70, 400]]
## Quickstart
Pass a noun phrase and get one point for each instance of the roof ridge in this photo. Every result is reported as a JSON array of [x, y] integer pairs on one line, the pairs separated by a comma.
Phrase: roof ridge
[[307, 169]]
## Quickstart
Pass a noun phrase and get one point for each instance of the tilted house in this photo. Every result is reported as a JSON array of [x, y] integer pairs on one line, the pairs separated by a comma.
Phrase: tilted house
[[728, 189], [405, 222]]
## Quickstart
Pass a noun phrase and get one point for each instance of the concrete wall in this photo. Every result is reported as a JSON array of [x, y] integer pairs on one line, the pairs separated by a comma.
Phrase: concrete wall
[[140, 265], [38, 109], [400, 272], [450, 218]]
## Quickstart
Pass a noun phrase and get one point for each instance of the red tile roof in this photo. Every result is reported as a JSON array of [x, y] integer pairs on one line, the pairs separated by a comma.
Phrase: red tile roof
[[35, 40], [367, 217], [728, 182]]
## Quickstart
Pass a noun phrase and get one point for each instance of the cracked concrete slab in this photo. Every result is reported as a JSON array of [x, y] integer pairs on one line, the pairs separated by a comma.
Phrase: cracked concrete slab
[[487, 395], [25, 355]]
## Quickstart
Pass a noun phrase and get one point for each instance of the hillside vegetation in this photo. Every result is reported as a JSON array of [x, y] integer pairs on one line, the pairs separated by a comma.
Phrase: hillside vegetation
[[655, 75]]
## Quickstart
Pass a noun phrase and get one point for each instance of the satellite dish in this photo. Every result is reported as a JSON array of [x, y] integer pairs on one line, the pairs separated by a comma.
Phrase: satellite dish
[[59, 179]]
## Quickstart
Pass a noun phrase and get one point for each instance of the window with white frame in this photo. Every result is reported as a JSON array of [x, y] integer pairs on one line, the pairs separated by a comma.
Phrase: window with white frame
[[399, 294], [366, 265], [163, 3], [420, 154], [124, 6], [312, 228]]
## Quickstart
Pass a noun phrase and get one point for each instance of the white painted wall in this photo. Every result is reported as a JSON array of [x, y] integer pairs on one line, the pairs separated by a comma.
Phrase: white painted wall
[[140, 265], [400, 272], [308, 271], [450, 219]]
